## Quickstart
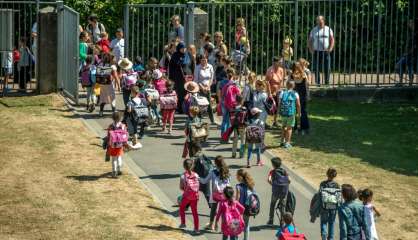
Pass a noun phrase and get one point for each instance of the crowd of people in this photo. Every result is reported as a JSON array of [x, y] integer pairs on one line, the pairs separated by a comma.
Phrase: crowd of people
[[204, 83]]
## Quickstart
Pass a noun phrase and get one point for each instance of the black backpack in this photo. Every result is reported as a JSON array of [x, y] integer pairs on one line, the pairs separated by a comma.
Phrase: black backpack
[[280, 182], [202, 165]]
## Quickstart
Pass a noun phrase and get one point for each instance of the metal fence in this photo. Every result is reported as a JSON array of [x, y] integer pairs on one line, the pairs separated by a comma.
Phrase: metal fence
[[370, 36]]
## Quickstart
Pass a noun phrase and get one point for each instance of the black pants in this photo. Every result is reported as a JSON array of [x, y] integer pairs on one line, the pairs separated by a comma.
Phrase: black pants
[[274, 198], [24, 76], [213, 208], [322, 63], [304, 120]]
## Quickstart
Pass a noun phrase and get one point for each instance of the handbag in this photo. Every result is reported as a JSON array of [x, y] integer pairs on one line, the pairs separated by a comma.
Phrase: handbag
[[199, 132]]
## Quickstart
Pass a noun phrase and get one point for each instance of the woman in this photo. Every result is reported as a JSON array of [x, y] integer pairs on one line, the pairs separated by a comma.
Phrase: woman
[[107, 91], [259, 99], [220, 46], [302, 88], [180, 68], [204, 75], [351, 215]]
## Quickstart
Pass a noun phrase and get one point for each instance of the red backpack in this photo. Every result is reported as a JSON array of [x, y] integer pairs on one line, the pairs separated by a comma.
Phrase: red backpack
[[286, 235], [229, 94], [191, 186]]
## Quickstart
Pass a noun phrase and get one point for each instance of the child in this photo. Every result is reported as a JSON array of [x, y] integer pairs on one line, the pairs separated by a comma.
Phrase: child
[[246, 184], [287, 52], [328, 214], [87, 81], [219, 178], [168, 105], [83, 47], [24, 65], [7, 67], [193, 119], [159, 81], [104, 42], [129, 78], [232, 219], [289, 106], [255, 136], [189, 184], [137, 109], [138, 65], [288, 227], [115, 150], [279, 181], [366, 196], [238, 122]]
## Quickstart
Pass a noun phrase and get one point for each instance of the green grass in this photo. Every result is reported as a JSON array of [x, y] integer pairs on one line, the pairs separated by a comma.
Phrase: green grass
[[382, 135], [35, 101]]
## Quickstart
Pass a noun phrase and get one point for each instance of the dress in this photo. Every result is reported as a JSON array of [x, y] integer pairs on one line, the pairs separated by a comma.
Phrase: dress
[[301, 87], [107, 92], [180, 65]]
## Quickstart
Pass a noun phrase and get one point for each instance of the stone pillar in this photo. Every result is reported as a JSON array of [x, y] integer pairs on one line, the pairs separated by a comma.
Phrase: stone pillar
[[47, 51], [6, 29], [197, 22]]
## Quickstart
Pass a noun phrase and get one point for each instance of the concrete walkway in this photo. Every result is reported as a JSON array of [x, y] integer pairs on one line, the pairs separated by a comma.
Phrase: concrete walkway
[[158, 165]]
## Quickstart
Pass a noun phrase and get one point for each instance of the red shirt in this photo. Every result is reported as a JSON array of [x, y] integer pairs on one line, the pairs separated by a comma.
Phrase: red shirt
[[105, 45]]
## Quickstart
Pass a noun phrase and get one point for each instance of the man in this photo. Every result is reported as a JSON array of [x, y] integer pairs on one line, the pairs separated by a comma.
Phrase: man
[[118, 45], [178, 30], [94, 28], [409, 60], [321, 43], [274, 77]]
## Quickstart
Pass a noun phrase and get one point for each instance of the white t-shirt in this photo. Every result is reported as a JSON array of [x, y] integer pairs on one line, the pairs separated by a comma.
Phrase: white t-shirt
[[118, 48], [205, 75], [7, 60], [321, 38]]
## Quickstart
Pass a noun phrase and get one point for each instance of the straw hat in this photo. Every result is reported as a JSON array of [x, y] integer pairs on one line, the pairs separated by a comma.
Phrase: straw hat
[[125, 64], [255, 110], [191, 87]]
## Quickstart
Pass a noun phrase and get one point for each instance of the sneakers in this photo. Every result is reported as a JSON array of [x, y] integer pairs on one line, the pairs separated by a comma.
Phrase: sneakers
[[287, 146], [182, 226], [196, 232]]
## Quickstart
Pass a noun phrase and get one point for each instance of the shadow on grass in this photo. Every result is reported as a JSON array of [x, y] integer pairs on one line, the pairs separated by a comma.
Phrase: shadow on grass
[[383, 135], [89, 178]]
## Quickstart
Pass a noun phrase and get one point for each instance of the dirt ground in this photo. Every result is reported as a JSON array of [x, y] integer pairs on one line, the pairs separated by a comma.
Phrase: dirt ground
[[56, 185]]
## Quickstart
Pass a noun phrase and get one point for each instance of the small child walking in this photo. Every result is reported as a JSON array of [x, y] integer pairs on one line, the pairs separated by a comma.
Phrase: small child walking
[[366, 196], [189, 184], [137, 108], [287, 52], [87, 81], [115, 149], [193, 119], [289, 106], [231, 212], [238, 121], [255, 136], [328, 211], [168, 105], [245, 185], [279, 181]]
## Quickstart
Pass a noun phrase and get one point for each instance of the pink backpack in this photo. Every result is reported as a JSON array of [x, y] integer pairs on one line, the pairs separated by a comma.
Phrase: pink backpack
[[229, 93], [85, 77], [233, 220], [159, 85], [130, 79], [118, 137], [168, 101], [191, 186]]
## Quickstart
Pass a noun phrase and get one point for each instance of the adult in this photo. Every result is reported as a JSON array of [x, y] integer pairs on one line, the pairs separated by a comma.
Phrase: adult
[[177, 34], [321, 43], [107, 91], [220, 46], [302, 88], [204, 75], [34, 35], [94, 28], [275, 76], [118, 45], [351, 215], [180, 69], [410, 58]]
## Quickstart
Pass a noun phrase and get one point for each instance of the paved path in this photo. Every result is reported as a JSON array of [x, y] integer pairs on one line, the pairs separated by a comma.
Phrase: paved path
[[161, 165]]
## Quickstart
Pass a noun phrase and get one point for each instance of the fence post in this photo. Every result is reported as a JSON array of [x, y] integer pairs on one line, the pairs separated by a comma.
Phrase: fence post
[[379, 30], [212, 16], [60, 45], [190, 23], [126, 30], [296, 29]]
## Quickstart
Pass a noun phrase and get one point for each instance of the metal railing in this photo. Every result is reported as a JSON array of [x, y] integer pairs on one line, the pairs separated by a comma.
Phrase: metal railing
[[370, 36]]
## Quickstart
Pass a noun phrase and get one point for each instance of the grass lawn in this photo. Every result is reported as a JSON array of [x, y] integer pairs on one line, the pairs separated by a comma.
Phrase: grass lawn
[[371, 145], [55, 184]]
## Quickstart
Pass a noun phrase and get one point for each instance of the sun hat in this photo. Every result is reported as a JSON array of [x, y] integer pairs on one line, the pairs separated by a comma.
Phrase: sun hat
[[125, 64], [191, 87], [255, 110], [157, 74]]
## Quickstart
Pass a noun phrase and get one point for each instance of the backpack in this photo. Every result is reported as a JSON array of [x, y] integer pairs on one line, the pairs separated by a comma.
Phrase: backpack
[[202, 165], [168, 101], [160, 85], [85, 77], [201, 102], [191, 186], [287, 235], [254, 134], [239, 118], [288, 103], [199, 132], [152, 93], [252, 203], [290, 202], [218, 187], [280, 183], [130, 79], [270, 106], [118, 137], [234, 222], [104, 75], [99, 25], [330, 198], [140, 110], [229, 95]]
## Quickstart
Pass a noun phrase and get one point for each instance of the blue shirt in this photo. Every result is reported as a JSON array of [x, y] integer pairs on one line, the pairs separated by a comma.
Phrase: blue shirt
[[289, 227]]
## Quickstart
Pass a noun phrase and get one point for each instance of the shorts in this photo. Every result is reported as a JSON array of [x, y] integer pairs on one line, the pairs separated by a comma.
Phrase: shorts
[[7, 71], [288, 121]]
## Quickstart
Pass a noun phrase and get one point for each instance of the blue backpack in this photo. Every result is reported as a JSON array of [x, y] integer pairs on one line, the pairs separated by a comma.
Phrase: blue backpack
[[288, 103], [252, 203]]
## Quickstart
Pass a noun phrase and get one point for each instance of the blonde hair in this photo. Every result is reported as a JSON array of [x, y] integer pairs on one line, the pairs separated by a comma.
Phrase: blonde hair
[[246, 178], [252, 78], [261, 83], [103, 34], [219, 34], [303, 62], [194, 111], [241, 22]]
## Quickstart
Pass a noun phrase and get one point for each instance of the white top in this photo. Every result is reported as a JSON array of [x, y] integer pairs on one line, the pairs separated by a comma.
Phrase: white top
[[216, 182], [95, 32], [321, 38], [204, 76], [368, 211], [7, 59], [118, 48]]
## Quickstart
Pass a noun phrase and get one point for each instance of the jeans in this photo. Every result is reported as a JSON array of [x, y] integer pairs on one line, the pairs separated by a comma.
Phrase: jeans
[[247, 227], [193, 206], [226, 123], [225, 237], [304, 120], [154, 109], [238, 134], [250, 151], [282, 202], [327, 220], [126, 94], [24, 76], [321, 63], [408, 62], [116, 164]]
